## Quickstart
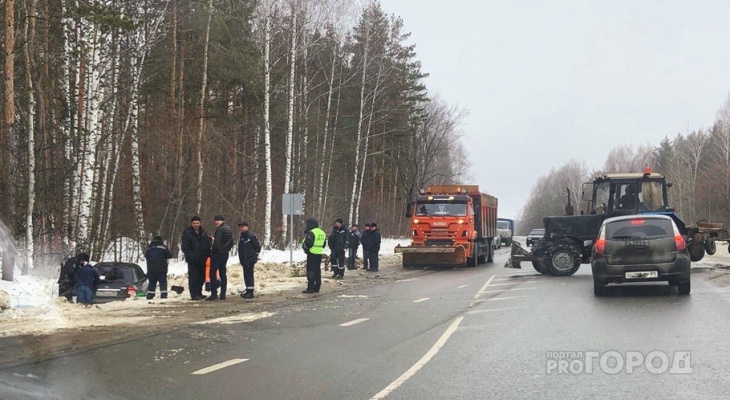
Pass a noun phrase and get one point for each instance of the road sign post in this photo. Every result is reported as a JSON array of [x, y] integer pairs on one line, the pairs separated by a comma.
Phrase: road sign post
[[292, 204]]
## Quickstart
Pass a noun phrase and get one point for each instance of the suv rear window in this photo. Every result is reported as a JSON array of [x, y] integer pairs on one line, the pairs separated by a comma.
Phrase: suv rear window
[[639, 228], [116, 273]]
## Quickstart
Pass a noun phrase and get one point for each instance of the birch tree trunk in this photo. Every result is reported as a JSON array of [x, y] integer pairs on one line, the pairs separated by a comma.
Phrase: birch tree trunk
[[29, 245], [267, 131], [290, 126], [201, 126], [365, 146], [356, 174], [92, 139], [320, 194], [66, 126], [332, 146]]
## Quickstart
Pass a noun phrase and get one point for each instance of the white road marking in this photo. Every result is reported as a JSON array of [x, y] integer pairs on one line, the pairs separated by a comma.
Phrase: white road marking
[[422, 300], [517, 278], [407, 280], [515, 283], [354, 322], [462, 286], [219, 366], [495, 309], [505, 298], [489, 281], [509, 290], [237, 319], [418, 365]]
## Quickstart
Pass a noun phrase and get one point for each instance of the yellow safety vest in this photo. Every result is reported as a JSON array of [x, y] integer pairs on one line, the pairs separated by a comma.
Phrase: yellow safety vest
[[319, 239]]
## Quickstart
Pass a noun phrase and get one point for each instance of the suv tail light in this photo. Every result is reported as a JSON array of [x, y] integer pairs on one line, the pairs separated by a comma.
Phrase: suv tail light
[[678, 239], [601, 242], [131, 292]]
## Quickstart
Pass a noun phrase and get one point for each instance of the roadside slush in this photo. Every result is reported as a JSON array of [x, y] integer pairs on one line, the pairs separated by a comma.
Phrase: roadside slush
[[68, 329], [715, 268]]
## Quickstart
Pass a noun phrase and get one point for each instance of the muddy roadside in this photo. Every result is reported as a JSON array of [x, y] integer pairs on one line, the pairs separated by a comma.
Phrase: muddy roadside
[[66, 329]]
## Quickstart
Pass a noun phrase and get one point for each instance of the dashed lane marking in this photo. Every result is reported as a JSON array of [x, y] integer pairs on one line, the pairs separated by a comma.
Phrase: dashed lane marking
[[222, 365], [517, 278], [462, 286], [423, 361], [509, 290], [495, 309], [422, 300], [505, 298], [354, 322], [515, 283]]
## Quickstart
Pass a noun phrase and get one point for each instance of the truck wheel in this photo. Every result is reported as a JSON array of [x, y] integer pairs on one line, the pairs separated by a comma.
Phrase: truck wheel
[[710, 246], [540, 267], [472, 261], [490, 256], [482, 258], [562, 260]]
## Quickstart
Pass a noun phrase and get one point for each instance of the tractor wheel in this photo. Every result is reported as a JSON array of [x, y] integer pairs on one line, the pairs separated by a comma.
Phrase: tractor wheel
[[710, 246], [563, 259], [540, 267], [696, 251], [472, 261]]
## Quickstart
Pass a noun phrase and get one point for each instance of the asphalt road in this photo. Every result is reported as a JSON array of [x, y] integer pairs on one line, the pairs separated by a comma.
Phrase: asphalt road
[[486, 332]]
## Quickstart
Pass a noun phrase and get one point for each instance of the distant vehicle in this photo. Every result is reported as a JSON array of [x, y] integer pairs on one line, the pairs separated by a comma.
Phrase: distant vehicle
[[640, 248], [534, 236], [506, 230], [120, 281]]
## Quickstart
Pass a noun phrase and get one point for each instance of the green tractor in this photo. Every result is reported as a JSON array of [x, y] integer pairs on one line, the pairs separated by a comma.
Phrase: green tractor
[[569, 239]]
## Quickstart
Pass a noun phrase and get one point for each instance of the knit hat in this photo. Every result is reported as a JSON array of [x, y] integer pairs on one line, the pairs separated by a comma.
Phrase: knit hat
[[219, 217]]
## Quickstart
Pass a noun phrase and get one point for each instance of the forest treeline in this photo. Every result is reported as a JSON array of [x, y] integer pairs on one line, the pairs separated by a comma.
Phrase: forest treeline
[[696, 162], [124, 118]]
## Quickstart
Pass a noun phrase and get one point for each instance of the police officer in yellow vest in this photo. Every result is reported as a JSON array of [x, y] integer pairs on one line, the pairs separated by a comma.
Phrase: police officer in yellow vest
[[313, 245]]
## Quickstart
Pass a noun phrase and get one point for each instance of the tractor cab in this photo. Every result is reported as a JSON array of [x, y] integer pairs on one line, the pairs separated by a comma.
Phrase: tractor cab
[[627, 194]]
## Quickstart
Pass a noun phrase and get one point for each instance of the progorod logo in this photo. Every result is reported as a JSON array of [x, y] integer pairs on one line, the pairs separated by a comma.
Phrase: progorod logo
[[614, 362]]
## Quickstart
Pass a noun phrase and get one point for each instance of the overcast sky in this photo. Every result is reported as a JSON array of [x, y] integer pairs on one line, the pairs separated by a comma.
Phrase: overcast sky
[[547, 81]]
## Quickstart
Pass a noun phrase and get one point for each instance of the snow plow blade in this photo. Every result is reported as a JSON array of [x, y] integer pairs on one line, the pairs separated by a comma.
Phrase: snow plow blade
[[432, 256], [519, 254]]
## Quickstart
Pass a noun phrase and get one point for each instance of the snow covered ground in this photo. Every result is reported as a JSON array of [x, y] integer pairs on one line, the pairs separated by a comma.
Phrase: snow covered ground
[[31, 295]]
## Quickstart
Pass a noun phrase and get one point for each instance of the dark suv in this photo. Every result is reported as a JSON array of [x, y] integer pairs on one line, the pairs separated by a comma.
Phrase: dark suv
[[120, 281], [640, 248]]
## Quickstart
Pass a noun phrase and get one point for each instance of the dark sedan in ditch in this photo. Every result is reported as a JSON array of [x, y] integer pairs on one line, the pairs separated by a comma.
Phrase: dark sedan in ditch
[[640, 248], [120, 281]]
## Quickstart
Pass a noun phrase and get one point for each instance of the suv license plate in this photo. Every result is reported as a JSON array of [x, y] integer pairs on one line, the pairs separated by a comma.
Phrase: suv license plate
[[642, 275], [107, 294]]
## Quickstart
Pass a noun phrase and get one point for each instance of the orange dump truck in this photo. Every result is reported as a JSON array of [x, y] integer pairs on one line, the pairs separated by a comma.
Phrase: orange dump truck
[[452, 226]]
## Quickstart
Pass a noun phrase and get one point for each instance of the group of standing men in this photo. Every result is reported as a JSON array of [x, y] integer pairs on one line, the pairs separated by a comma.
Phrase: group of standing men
[[198, 247], [340, 240]]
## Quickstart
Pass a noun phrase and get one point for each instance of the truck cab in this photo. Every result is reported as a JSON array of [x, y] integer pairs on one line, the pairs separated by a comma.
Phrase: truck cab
[[451, 225]]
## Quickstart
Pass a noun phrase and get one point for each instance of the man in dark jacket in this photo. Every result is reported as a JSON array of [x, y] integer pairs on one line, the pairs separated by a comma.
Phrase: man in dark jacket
[[157, 255], [248, 253], [338, 244], [195, 244], [313, 246], [354, 241], [365, 241], [374, 246], [87, 279], [222, 245], [66, 279]]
